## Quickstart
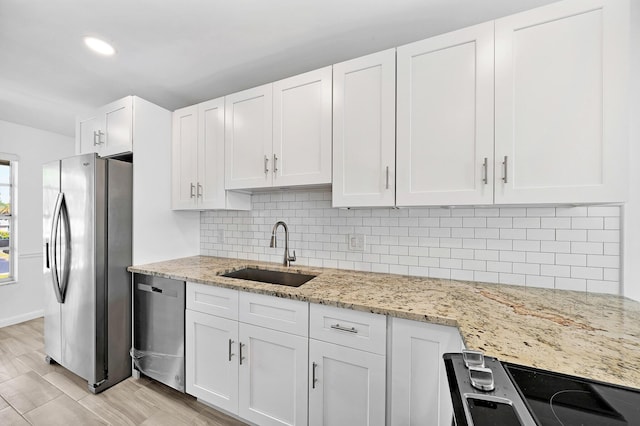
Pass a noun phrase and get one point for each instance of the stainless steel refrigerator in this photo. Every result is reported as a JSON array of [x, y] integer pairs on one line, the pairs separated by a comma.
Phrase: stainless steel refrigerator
[[87, 203]]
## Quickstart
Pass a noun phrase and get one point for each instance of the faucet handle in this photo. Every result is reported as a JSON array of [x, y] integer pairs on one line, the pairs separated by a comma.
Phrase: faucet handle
[[293, 258]]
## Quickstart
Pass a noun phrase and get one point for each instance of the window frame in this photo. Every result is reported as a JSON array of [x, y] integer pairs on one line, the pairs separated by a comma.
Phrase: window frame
[[13, 184]]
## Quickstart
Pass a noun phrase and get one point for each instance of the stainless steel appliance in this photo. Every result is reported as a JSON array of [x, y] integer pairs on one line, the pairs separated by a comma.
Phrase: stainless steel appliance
[[87, 219], [485, 391], [158, 336]]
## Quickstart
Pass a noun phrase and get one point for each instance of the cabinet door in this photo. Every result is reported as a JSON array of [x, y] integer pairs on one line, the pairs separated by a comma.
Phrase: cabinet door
[[248, 138], [210, 187], [302, 129], [117, 127], [349, 386], [561, 78], [273, 376], [212, 359], [86, 133], [364, 131], [445, 119], [419, 387], [184, 158]]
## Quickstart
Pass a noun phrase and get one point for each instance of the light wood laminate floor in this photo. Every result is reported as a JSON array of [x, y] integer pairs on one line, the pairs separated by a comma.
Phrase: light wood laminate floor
[[34, 392]]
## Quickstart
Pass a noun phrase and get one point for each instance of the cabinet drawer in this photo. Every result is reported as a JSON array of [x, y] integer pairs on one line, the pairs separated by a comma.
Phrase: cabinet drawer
[[355, 329], [212, 300], [287, 315]]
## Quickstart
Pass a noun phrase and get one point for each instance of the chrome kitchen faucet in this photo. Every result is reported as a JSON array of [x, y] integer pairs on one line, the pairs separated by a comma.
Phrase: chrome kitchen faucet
[[287, 259]]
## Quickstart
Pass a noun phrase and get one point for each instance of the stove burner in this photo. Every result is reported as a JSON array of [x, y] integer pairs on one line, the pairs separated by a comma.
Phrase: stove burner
[[560, 400]]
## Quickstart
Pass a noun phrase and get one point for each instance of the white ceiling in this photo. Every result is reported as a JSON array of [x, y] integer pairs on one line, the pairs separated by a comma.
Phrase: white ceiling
[[177, 53]]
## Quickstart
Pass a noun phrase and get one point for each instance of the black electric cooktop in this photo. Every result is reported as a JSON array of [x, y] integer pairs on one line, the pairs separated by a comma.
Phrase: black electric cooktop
[[488, 392], [556, 399]]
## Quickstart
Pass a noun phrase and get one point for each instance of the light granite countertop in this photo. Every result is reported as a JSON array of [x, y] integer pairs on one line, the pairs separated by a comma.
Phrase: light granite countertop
[[591, 335]]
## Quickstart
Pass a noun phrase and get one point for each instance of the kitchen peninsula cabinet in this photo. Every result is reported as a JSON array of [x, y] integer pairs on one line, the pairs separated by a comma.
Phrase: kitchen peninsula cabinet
[[108, 130], [445, 119], [364, 125], [561, 84], [419, 386], [279, 134], [198, 160]]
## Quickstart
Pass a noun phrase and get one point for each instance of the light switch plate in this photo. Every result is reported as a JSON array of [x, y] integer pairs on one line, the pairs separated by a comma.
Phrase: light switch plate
[[219, 236], [355, 242]]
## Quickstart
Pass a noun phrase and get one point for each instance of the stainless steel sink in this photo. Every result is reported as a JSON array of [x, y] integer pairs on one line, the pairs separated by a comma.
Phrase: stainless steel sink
[[290, 279]]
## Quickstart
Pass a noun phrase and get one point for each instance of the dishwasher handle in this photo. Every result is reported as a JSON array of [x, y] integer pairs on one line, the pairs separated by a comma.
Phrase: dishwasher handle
[[153, 289]]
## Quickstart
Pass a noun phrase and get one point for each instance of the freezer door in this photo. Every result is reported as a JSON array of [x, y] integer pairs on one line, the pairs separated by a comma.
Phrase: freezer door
[[82, 320], [50, 192]]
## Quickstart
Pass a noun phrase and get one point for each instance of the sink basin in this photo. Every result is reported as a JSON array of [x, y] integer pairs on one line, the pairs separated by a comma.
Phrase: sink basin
[[290, 279]]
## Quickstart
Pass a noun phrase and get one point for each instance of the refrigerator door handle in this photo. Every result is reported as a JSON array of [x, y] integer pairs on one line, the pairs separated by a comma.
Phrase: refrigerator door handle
[[59, 211], [66, 269]]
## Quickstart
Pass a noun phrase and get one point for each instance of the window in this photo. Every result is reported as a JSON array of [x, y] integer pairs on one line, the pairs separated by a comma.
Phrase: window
[[7, 218]]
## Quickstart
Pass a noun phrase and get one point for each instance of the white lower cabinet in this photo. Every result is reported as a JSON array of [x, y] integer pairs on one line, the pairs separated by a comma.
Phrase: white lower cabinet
[[419, 387], [273, 371], [254, 372], [212, 359], [275, 361], [347, 386]]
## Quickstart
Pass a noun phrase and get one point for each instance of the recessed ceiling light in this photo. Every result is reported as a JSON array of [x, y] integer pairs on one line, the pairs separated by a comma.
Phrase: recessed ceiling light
[[99, 46]]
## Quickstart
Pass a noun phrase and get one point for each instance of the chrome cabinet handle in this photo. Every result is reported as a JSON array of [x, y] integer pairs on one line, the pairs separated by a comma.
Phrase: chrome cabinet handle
[[97, 137], [504, 169], [240, 345], [343, 328], [313, 375], [275, 163], [266, 165], [387, 177], [199, 192], [230, 354], [192, 192], [485, 166]]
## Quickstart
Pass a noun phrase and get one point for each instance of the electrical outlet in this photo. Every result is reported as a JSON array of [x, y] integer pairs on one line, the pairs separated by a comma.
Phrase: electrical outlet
[[355, 242], [219, 236]]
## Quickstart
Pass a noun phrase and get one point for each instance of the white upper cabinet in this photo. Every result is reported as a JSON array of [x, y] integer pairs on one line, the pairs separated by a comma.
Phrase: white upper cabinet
[[185, 157], [561, 78], [108, 130], [248, 137], [279, 134], [364, 131], [445, 119], [302, 129], [198, 160]]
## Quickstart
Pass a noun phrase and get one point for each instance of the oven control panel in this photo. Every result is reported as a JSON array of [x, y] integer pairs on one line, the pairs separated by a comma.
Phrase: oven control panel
[[483, 393]]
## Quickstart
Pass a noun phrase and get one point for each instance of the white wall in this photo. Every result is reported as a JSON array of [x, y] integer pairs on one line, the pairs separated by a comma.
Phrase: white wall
[[159, 233], [573, 248], [631, 277], [23, 300]]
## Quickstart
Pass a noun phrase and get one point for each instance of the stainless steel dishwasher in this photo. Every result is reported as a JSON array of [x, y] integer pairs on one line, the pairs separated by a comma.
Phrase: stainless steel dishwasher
[[158, 332]]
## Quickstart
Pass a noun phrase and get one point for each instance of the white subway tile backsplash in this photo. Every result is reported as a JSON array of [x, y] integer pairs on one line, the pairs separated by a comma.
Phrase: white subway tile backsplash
[[555, 270], [526, 222], [586, 272], [571, 284], [586, 247], [500, 267], [571, 259], [560, 247], [513, 279], [607, 236]]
